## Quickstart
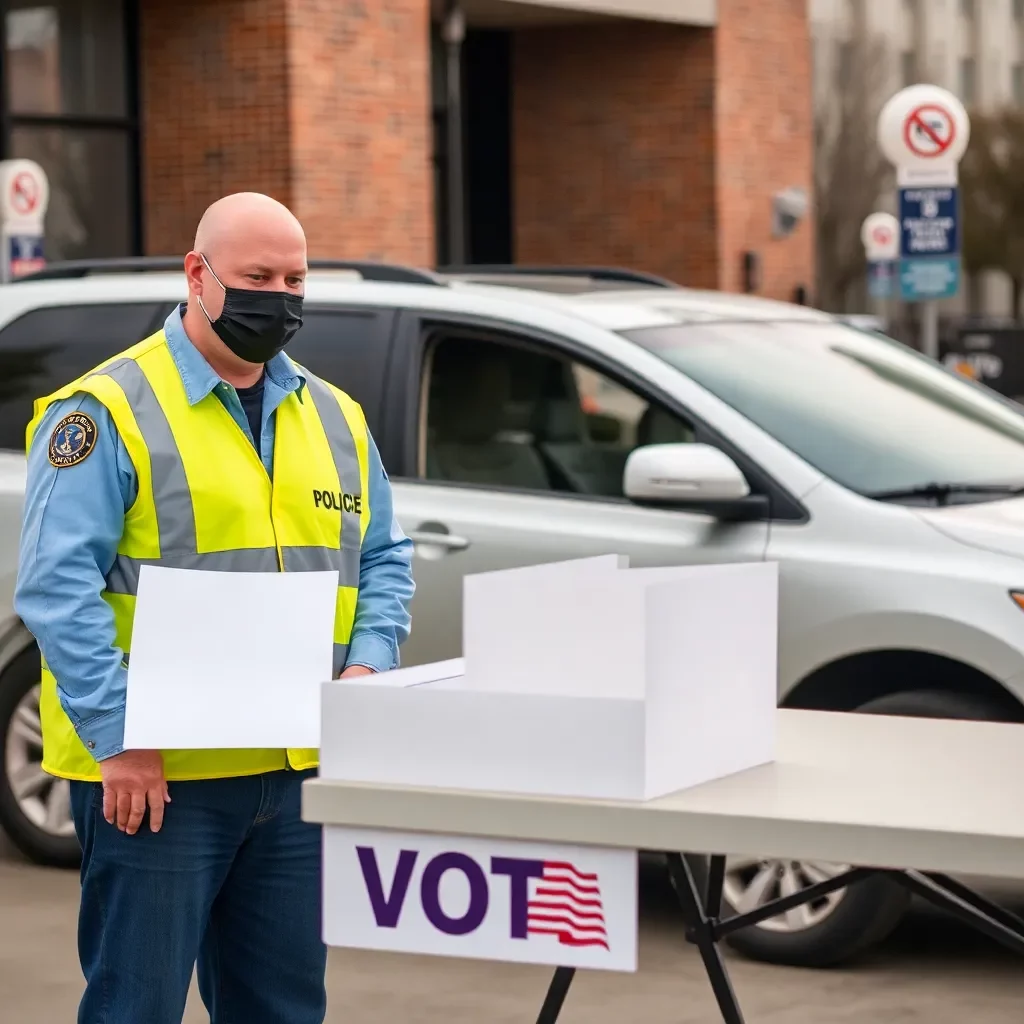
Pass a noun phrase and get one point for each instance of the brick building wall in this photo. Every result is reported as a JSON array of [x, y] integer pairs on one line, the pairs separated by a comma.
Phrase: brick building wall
[[214, 85], [641, 144], [764, 138], [323, 104], [613, 147], [362, 179], [659, 146]]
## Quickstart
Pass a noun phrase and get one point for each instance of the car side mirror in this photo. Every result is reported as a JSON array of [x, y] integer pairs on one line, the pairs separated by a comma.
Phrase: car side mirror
[[691, 476]]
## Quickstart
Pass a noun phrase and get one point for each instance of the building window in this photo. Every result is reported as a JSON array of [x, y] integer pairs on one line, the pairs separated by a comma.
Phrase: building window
[[967, 8], [908, 67], [1017, 83], [72, 107], [967, 80]]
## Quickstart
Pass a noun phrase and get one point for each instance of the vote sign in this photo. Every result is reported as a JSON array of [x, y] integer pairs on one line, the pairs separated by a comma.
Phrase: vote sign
[[488, 899]]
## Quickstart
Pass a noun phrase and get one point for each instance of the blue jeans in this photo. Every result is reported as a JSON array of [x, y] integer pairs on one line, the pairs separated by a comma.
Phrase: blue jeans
[[231, 881]]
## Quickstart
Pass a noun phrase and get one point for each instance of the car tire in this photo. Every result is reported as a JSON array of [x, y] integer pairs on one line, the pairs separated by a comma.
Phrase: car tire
[[867, 913], [861, 917], [25, 820], [934, 704]]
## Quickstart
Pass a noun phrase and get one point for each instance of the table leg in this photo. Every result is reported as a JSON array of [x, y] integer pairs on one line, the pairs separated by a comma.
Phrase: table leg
[[701, 929], [978, 902], [557, 991], [716, 885], [971, 908]]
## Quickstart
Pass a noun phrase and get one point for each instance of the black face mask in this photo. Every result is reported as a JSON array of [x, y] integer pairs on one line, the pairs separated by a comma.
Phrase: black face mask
[[255, 324]]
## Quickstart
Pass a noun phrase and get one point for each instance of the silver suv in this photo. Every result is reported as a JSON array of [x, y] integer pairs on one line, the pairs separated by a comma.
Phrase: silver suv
[[533, 415]]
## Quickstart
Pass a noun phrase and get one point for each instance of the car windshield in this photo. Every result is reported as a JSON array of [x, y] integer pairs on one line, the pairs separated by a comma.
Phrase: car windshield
[[867, 411]]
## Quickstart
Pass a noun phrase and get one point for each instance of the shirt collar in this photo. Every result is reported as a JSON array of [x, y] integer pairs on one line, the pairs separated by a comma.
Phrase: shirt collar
[[200, 378]]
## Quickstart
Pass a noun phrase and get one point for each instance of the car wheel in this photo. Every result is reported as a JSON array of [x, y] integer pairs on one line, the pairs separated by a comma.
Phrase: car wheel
[[829, 931], [847, 922], [35, 808]]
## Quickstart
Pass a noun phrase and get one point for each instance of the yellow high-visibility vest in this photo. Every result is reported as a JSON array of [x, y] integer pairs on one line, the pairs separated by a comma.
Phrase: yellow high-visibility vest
[[205, 501]]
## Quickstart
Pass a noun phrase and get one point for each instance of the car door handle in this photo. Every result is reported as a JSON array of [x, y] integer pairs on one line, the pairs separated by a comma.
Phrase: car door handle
[[437, 539]]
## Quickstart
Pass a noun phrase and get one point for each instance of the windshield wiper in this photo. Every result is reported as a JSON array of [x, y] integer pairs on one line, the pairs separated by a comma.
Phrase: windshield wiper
[[941, 493]]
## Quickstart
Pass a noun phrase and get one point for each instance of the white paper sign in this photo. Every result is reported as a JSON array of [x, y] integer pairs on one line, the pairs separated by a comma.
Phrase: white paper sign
[[229, 659], [485, 899]]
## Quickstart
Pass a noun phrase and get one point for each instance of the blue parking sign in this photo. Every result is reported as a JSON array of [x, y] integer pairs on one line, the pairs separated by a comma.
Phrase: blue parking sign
[[929, 221], [929, 242], [929, 277], [24, 254]]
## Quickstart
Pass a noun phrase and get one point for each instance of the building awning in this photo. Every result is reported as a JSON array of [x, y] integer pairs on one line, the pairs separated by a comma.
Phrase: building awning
[[523, 13]]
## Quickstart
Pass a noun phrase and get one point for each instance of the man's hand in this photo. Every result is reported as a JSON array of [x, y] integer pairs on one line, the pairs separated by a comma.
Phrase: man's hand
[[356, 670], [132, 780]]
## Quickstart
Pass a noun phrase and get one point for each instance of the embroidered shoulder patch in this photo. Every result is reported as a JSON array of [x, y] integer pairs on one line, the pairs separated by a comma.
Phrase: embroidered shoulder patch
[[72, 440]]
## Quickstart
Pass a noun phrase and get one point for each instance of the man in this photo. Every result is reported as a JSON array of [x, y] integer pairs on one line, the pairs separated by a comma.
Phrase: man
[[200, 447]]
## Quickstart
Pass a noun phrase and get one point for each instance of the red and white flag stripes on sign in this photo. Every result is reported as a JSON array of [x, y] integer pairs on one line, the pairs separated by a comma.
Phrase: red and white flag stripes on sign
[[566, 902]]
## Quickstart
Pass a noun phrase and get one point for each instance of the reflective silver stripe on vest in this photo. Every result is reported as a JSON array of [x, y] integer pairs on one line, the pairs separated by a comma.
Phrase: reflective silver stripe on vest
[[311, 559], [175, 516], [340, 656], [346, 461], [123, 577], [173, 501]]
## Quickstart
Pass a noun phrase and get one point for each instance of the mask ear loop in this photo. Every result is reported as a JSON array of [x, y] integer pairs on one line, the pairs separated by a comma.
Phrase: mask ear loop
[[206, 263]]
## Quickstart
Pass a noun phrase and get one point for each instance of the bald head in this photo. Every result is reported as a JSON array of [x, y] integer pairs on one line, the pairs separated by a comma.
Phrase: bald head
[[247, 219]]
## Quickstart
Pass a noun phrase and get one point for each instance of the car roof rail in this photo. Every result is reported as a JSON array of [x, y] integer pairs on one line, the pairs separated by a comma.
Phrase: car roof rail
[[523, 270], [367, 270]]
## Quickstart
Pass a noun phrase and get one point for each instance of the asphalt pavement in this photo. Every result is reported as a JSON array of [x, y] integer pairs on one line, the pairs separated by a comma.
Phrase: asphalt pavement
[[932, 971]]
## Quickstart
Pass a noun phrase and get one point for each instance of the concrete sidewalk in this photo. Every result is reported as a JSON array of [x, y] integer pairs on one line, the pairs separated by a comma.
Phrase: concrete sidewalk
[[932, 971]]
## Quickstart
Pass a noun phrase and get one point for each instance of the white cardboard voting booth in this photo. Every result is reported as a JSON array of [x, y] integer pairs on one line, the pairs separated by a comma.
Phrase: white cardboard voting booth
[[581, 679]]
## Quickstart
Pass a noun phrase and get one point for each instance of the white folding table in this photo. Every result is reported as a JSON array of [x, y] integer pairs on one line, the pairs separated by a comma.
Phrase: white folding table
[[917, 800]]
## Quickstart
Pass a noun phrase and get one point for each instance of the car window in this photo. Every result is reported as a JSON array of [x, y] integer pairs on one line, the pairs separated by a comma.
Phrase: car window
[[44, 349], [865, 410], [508, 415], [349, 348]]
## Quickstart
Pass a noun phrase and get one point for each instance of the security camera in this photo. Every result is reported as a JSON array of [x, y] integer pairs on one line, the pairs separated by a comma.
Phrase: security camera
[[789, 207]]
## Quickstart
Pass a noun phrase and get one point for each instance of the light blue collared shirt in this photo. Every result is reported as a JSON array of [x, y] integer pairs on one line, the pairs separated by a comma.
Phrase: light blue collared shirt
[[72, 525]]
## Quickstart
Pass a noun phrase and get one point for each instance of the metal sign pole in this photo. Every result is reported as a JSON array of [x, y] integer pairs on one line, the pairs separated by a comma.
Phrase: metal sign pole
[[930, 329]]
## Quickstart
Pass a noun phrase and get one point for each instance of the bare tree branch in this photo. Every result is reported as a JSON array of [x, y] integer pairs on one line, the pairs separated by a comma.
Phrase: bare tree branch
[[992, 190], [850, 172]]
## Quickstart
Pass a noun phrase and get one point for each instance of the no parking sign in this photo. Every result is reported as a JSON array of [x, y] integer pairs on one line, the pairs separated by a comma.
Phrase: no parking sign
[[929, 131], [24, 196], [924, 131], [880, 234]]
